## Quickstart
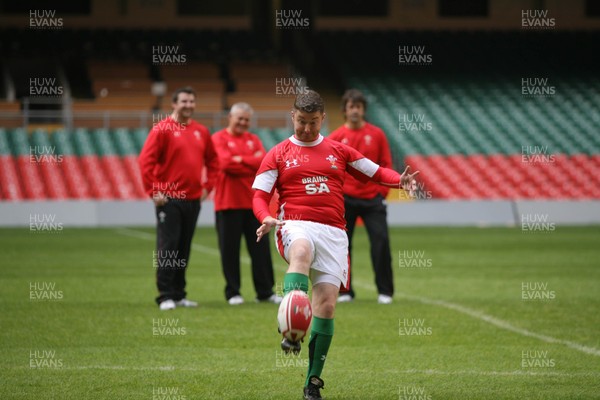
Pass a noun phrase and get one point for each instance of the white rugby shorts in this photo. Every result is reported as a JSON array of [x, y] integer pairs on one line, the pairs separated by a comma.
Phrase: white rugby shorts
[[329, 246]]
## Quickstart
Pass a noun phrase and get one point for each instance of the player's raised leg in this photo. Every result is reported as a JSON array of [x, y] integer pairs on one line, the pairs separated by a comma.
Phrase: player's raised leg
[[300, 257]]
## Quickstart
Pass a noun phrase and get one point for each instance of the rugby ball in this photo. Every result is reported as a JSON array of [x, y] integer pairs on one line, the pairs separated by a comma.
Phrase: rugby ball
[[295, 315]]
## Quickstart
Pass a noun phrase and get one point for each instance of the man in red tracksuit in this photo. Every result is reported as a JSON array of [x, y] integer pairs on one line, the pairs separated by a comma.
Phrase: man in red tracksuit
[[240, 154], [367, 200], [171, 163]]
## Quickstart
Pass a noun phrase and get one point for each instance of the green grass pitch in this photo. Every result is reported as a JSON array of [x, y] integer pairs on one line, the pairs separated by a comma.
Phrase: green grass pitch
[[479, 314]]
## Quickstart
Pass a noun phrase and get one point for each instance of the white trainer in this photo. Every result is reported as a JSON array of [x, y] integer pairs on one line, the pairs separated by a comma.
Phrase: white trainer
[[344, 298], [236, 300], [186, 303], [384, 299], [275, 299], [167, 305]]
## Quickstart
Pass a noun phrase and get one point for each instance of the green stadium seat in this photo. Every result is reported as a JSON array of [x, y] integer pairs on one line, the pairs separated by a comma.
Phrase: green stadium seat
[[266, 137], [62, 140], [4, 145], [103, 142], [124, 142], [19, 142], [139, 138], [82, 142]]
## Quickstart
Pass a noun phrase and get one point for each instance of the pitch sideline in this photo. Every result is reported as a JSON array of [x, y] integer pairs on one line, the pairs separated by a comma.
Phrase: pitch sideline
[[172, 368], [489, 319]]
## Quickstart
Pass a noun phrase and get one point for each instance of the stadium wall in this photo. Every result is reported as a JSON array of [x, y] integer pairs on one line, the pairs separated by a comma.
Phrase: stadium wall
[[58, 215]]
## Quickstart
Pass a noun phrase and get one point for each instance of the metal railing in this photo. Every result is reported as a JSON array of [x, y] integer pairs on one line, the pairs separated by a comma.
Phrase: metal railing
[[110, 119]]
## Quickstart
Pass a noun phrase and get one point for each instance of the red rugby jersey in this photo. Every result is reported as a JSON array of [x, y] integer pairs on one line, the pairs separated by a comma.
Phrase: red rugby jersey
[[373, 144], [310, 177], [173, 158], [233, 189]]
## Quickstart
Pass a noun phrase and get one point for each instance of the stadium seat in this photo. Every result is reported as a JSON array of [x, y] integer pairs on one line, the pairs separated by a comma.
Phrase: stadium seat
[[31, 179], [75, 180], [92, 168], [10, 187], [50, 166]]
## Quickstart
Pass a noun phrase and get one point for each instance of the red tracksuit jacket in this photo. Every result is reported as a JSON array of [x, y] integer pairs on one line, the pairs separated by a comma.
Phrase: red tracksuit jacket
[[371, 142], [173, 158], [233, 189]]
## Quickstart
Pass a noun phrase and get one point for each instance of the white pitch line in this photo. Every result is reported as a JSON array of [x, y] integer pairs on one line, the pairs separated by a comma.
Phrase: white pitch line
[[406, 372], [135, 234], [195, 246], [489, 319], [452, 306], [502, 324], [198, 247], [498, 373], [124, 368]]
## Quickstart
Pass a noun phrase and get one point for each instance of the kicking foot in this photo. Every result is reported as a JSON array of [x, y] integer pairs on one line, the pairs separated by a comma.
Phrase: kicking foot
[[289, 346]]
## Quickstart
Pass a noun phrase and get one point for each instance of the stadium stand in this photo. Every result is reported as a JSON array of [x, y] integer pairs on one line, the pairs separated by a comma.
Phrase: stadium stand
[[479, 137], [473, 135]]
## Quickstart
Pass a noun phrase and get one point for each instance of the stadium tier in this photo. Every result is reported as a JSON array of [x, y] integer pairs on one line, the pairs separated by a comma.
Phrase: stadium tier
[[101, 164], [487, 140], [81, 164], [518, 130]]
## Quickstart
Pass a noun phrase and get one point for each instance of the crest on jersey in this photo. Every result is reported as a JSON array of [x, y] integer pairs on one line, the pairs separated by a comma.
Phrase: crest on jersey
[[197, 134], [177, 133], [368, 139], [332, 160], [250, 144]]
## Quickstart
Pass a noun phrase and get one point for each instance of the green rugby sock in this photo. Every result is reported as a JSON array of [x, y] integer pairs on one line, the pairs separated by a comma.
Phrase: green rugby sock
[[320, 340], [295, 281]]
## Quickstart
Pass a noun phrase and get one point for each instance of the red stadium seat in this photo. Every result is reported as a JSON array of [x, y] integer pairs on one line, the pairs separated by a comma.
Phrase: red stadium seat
[[133, 172], [54, 180], [75, 179], [508, 177], [122, 186], [94, 173], [33, 185], [10, 188]]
